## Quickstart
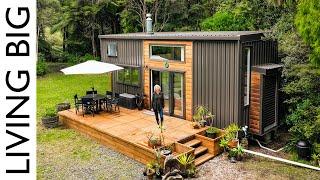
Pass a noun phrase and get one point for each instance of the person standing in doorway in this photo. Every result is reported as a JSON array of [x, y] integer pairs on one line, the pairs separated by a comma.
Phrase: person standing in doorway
[[158, 104]]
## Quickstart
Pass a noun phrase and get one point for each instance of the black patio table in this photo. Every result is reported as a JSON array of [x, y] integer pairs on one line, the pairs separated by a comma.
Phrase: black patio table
[[97, 98]]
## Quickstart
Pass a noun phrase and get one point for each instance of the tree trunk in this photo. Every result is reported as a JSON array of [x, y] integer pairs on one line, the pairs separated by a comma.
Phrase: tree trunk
[[93, 42]]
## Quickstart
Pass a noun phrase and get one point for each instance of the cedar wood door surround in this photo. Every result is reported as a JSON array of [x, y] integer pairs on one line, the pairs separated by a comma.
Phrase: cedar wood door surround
[[180, 66]]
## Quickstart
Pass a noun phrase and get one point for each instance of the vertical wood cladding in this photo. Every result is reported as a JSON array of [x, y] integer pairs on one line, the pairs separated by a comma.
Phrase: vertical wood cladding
[[254, 112], [129, 53], [185, 67], [216, 79]]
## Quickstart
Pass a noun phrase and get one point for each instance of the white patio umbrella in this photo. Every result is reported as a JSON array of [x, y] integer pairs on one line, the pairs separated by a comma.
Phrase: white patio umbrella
[[91, 67]]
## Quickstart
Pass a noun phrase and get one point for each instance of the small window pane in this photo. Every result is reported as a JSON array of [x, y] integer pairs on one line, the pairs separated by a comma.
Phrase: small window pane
[[247, 74], [167, 52], [120, 78], [112, 49], [127, 79], [135, 76]]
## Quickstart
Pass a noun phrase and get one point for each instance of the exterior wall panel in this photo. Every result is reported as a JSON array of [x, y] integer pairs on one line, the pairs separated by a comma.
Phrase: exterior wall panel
[[216, 75], [174, 66], [263, 52], [129, 53]]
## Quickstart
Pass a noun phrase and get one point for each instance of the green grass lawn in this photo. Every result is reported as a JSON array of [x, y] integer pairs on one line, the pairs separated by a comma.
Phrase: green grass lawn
[[66, 154]]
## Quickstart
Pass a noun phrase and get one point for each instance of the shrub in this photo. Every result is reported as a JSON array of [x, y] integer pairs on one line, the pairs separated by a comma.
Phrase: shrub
[[308, 26], [41, 65], [226, 21]]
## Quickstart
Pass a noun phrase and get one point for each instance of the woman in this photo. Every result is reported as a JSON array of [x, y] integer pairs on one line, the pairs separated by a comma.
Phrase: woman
[[158, 103]]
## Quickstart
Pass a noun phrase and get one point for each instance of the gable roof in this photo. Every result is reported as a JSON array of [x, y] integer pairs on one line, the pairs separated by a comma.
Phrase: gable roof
[[199, 35]]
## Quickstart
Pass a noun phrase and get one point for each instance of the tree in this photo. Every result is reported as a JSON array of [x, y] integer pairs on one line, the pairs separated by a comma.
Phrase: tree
[[308, 26]]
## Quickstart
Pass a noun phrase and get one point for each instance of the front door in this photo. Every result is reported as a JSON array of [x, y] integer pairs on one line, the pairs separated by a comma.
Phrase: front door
[[172, 86]]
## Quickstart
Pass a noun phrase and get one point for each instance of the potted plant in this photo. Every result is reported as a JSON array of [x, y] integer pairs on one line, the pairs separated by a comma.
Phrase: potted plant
[[239, 152], [201, 115], [212, 132], [233, 155], [153, 141], [50, 119], [167, 150], [185, 161], [63, 106], [224, 144], [232, 135], [150, 171]]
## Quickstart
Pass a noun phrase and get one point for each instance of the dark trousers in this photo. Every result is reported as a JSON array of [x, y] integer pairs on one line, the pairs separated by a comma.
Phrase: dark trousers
[[157, 113]]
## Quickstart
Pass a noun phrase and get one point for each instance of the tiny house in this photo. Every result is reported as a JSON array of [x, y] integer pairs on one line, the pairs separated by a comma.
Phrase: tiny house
[[234, 73]]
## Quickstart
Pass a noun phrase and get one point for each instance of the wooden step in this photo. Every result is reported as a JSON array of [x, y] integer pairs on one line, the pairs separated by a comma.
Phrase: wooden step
[[192, 143], [202, 159], [199, 150]]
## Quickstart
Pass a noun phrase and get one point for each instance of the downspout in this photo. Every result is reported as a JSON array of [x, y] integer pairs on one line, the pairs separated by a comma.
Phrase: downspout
[[282, 160]]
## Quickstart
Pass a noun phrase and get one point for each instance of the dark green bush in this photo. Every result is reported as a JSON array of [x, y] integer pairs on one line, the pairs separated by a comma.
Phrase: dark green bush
[[41, 65], [227, 21]]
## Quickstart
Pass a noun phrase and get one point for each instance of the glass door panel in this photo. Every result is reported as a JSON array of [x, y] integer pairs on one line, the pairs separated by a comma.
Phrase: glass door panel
[[178, 101], [165, 87]]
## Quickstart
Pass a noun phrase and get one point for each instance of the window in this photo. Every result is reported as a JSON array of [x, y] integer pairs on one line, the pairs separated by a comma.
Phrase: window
[[112, 49], [129, 76], [247, 74], [160, 52]]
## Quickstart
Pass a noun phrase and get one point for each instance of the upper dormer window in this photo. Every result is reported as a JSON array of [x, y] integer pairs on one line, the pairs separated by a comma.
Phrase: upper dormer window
[[167, 52], [112, 49]]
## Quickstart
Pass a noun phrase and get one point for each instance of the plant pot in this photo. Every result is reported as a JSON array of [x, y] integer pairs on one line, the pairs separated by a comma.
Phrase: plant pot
[[150, 173], [244, 143], [239, 157], [233, 159], [63, 106], [303, 150], [233, 143], [50, 122], [153, 144]]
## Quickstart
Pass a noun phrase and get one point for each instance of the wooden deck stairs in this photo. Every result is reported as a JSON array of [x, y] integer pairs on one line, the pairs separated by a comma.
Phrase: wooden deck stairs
[[201, 152]]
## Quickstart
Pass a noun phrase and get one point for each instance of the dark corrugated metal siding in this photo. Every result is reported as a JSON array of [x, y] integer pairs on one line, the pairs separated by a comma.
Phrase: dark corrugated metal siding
[[216, 79], [129, 53], [263, 52]]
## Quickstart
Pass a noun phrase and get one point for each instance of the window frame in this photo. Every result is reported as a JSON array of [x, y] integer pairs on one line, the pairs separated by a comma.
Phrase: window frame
[[246, 97], [130, 68], [153, 57], [116, 49]]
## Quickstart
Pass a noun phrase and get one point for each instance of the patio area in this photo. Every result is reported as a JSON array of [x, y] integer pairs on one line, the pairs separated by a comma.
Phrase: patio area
[[126, 132]]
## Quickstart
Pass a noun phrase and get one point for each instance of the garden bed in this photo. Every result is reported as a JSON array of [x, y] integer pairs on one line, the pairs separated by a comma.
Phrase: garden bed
[[211, 144]]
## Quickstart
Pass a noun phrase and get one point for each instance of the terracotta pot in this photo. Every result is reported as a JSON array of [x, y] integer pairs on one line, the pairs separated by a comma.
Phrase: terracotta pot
[[233, 143], [150, 173]]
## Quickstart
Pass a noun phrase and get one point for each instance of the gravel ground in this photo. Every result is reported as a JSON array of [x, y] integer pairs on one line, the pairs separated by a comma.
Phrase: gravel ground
[[219, 168], [78, 157]]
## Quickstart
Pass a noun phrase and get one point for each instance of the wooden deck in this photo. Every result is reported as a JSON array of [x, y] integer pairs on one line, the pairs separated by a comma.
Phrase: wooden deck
[[126, 131]]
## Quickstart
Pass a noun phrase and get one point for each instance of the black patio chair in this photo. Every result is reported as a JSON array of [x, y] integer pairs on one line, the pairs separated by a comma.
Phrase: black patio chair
[[108, 101], [77, 102], [115, 101], [88, 105], [92, 92], [109, 93]]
